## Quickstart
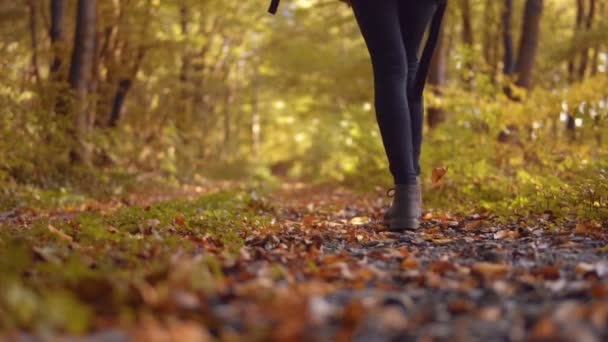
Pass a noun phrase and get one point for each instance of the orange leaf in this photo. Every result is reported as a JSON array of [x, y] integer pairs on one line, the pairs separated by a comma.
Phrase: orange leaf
[[490, 270], [409, 264], [544, 330], [437, 174], [441, 267], [179, 220]]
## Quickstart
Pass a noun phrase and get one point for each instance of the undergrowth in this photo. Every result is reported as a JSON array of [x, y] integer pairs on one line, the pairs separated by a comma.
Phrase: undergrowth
[[58, 273]]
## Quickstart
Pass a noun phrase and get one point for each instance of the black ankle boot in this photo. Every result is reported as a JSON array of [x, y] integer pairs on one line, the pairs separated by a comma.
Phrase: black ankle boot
[[406, 208]]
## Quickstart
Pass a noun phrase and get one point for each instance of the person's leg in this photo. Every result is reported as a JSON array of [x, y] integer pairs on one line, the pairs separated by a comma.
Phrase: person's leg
[[414, 17], [380, 26]]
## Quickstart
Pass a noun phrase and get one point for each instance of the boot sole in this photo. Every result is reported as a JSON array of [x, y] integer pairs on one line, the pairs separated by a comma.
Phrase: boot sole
[[388, 219], [397, 224]]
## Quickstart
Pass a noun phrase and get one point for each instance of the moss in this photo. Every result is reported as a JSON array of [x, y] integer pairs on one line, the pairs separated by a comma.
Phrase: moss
[[63, 267]]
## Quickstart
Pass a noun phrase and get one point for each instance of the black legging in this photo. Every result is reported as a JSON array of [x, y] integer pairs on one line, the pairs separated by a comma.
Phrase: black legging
[[393, 31]]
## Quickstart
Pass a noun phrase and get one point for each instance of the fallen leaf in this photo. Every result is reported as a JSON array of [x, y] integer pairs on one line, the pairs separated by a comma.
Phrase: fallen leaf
[[544, 329], [409, 264], [490, 313], [360, 220], [473, 225], [587, 228], [179, 220], [490, 270], [437, 174], [506, 234], [460, 306], [60, 233], [441, 267], [547, 272]]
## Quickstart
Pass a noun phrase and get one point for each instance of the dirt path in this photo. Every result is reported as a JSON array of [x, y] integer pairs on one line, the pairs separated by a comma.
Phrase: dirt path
[[458, 278], [324, 269]]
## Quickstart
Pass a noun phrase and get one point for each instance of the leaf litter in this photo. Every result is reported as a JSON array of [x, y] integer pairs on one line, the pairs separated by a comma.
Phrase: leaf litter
[[315, 263]]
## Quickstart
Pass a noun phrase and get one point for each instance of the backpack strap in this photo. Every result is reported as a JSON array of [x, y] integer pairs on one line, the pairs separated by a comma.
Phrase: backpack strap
[[429, 49], [274, 6]]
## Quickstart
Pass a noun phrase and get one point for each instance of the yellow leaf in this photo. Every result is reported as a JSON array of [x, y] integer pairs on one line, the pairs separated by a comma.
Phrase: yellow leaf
[[360, 220]]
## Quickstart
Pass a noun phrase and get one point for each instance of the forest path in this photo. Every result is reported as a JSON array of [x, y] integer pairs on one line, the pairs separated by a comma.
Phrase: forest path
[[305, 262], [457, 278]]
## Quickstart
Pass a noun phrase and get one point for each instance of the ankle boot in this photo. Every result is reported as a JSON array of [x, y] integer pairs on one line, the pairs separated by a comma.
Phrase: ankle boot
[[406, 207], [391, 193]]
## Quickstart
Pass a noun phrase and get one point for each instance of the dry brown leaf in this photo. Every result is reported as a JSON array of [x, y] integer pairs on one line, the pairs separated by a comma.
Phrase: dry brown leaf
[[506, 234], [587, 228], [437, 174], [490, 313], [584, 269], [490, 270], [60, 233], [442, 267], [550, 272], [599, 290], [460, 306], [473, 225], [409, 264], [179, 220], [544, 329]]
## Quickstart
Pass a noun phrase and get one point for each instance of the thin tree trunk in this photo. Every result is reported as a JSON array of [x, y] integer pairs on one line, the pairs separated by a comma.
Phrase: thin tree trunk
[[585, 53], [489, 39], [598, 47], [438, 79], [34, 37], [57, 38], [508, 63], [528, 43], [80, 72], [580, 17], [507, 38], [124, 85], [467, 39], [125, 82]]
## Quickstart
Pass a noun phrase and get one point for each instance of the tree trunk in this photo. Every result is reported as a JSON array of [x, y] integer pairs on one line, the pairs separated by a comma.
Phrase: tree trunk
[[438, 79], [126, 81], [124, 85], [80, 72], [57, 38], [585, 53], [490, 39], [467, 39], [580, 16], [598, 47], [528, 43], [507, 35], [34, 37], [507, 38]]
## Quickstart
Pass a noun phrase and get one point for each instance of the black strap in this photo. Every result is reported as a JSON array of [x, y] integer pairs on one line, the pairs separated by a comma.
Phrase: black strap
[[429, 49], [274, 6]]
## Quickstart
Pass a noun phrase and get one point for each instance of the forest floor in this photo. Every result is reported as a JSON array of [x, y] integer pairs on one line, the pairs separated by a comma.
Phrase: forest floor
[[299, 263]]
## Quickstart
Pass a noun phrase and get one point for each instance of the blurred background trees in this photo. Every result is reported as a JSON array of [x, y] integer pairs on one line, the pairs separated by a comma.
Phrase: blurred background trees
[[95, 91]]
